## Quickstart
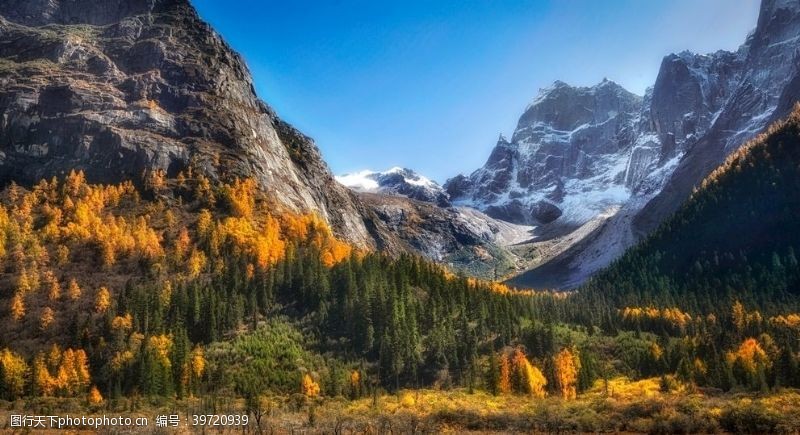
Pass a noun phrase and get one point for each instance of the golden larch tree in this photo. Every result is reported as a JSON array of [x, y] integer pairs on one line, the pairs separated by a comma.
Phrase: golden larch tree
[[94, 397], [102, 301], [198, 362], [74, 290], [17, 307], [566, 365], [527, 378], [309, 387], [504, 375], [47, 318], [14, 372]]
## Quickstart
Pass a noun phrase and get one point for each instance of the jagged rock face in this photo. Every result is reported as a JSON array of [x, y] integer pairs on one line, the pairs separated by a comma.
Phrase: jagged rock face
[[569, 143], [121, 88], [462, 238], [633, 169], [764, 91], [399, 182], [689, 90]]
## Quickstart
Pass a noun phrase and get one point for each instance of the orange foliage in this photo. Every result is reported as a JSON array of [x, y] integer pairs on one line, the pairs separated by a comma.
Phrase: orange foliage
[[13, 370], [102, 300], [53, 287], [742, 318], [528, 378], [182, 243], [674, 316], [71, 368], [790, 321], [74, 290], [198, 362], [47, 318], [241, 197], [17, 307], [122, 323], [196, 263], [95, 398], [504, 378], [309, 387], [749, 354], [355, 380], [156, 180], [160, 346], [503, 289], [566, 366]]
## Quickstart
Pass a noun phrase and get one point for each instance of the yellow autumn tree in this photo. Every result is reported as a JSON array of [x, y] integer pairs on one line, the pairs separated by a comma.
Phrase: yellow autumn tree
[[156, 180], [309, 387], [24, 285], [240, 197], [566, 365], [122, 323], [182, 243], [204, 224], [749, 355], [355, 384], [527, 378], [17, 307], [739, 316], [94, 397], [198, 362], [102, 301], [161, 346], [47, 318], [14, 373], [504, 375], [165, 296], [54, 289], [44, 383], [74, 290], [74, 183], [62, 255], [196, 263], [72, 372]]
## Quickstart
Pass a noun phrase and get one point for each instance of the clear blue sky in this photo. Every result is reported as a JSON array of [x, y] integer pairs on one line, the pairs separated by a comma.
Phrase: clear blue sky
[[429, 84]]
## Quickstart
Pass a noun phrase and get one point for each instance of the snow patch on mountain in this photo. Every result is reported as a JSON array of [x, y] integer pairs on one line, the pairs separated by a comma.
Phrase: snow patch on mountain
[[396, 181], [360, 181]]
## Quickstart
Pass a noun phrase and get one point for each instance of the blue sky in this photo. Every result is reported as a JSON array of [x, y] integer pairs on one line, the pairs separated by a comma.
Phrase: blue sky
[[429, 84]]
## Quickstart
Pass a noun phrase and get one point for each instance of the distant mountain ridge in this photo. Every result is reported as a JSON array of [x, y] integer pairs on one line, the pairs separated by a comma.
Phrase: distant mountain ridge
[[604, 157], [397, 181]]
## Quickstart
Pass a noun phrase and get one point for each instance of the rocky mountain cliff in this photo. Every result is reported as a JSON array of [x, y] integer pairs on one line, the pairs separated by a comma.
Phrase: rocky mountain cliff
[[123, 88], [417, 211], [565, 155], [463, 238], [601, 167]]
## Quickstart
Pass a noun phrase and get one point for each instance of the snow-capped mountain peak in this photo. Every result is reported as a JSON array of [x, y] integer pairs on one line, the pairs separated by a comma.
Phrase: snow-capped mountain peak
[[396, 181]]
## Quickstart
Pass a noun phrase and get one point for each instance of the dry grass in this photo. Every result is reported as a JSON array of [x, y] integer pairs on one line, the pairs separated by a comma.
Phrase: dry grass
[[620, 406]]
